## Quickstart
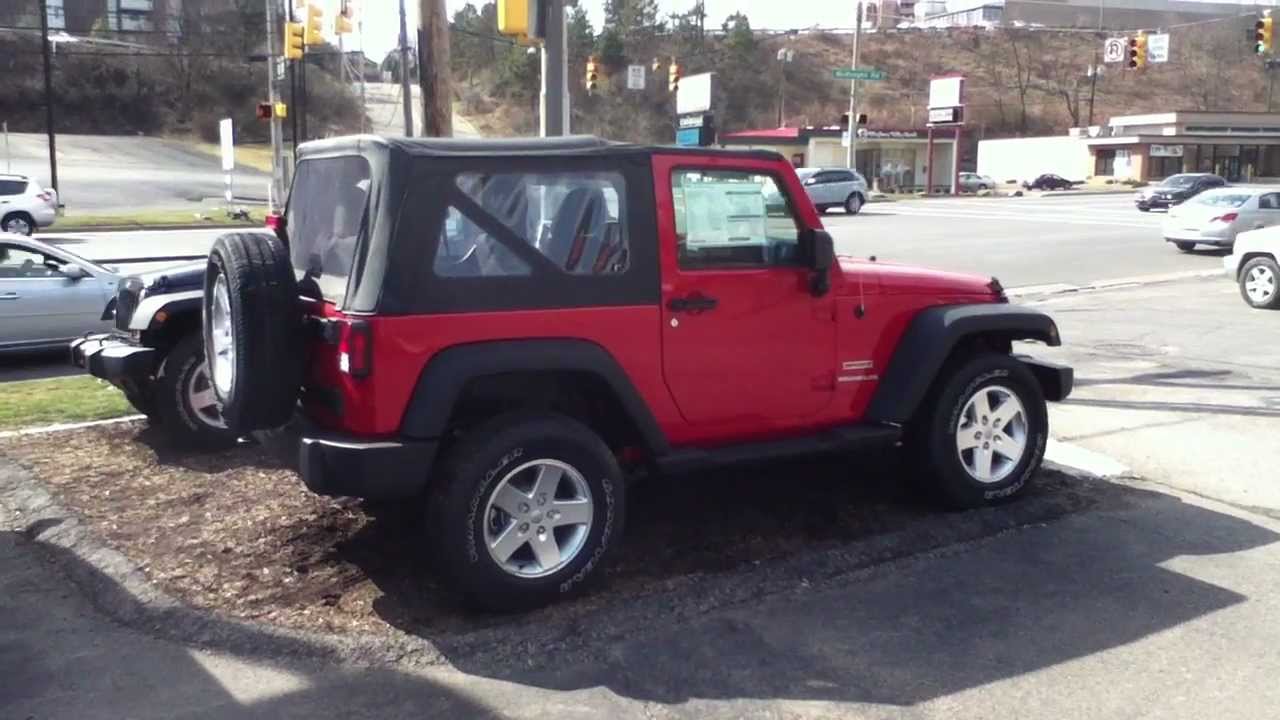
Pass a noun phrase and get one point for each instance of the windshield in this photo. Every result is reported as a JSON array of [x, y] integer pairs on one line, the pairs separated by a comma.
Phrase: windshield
[[326, 219], [1179, 181], [1223, 199]]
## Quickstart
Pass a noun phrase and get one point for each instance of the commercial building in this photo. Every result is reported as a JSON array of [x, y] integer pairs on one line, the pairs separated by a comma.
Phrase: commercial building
[[1239, 146], [891, 159], [1070, 13]]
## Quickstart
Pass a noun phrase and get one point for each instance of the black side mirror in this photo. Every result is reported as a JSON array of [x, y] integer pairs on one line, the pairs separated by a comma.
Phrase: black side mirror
[[821, 254]]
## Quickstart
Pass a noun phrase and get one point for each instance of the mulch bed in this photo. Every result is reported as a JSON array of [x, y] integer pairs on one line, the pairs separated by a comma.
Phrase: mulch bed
[[236, 531]]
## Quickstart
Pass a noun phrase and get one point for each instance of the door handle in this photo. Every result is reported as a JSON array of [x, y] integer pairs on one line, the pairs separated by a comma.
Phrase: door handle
[[694, 304], [9, 296]]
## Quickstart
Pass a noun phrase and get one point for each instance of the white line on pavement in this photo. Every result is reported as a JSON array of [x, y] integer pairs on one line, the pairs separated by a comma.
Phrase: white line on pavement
[[1113, 284]]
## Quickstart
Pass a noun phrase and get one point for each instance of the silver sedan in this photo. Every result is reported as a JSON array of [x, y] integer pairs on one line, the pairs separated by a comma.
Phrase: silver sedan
[[1214, 217], [49, 296]]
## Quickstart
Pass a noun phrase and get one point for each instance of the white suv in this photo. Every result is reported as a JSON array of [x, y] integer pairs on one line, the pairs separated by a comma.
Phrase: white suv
[[25, 206], [1253, 265]]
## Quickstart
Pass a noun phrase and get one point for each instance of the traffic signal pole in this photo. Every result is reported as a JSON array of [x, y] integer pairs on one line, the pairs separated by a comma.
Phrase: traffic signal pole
[[851, 153], [555, 76], [406, 90], [48, 98], [275, 61]]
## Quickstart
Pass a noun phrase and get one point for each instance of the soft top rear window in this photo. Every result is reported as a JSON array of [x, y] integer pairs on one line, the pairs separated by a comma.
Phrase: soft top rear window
[[327, 217]]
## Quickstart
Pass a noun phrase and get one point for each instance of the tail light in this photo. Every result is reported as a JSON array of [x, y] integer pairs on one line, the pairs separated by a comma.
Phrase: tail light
[[46, 196], [355, 348], [276, 223], [1229, 217]]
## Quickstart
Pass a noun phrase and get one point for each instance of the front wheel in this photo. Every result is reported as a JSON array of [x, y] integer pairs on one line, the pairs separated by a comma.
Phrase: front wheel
[[981, 434], [853, 204], [1260, 283], [526, 509], [184, 399]]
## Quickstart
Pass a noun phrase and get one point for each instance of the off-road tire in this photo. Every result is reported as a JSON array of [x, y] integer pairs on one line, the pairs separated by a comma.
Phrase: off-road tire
[[932, 435], [473, 468], [1271, 302], [266, 325], [172, 400]]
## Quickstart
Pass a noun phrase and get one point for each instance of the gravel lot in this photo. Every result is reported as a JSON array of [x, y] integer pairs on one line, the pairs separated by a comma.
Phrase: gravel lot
[[238, 533]]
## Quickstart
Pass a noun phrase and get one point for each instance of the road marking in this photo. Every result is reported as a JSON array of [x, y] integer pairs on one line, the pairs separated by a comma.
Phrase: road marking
[[1075, 457], [1018, 217]]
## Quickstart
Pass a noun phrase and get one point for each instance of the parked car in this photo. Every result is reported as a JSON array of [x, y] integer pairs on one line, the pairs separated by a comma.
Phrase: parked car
[[154, 352], [503, 330], [1252, 264], [25, 206], [1215, 217], [834, 187], [973, 182], [1176, 189], [1049, 181], [49, 296]]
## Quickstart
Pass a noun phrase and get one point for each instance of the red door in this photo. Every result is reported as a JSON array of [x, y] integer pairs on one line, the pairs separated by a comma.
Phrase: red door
[[747, 349]]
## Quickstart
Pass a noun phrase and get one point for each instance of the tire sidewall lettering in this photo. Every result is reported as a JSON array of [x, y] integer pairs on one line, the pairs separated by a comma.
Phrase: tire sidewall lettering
[[480, 495]]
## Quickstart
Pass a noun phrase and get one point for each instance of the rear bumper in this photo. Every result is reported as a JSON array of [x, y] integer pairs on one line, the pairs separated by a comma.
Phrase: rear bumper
[[1221, 237], [384, 470], [1056, 380], [113, 358]]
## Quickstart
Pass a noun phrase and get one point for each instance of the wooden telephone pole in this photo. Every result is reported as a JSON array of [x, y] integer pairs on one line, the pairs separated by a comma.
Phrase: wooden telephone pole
[[433, 69]]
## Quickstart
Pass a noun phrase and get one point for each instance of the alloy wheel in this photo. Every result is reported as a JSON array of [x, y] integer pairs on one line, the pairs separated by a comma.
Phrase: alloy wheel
[[1260, 284], [222, 339], [991, 437], [537, 518]]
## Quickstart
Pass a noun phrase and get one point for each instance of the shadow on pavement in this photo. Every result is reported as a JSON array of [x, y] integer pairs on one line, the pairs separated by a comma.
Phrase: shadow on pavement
[[60, 659], [36, 366]]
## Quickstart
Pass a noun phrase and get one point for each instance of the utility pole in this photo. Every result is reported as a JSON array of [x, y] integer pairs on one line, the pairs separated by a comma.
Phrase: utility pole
[[46, 50], [294, 110], [434, 75], [851, 155], [406, 90], [555, 88], [1094, 71], [275, 61]]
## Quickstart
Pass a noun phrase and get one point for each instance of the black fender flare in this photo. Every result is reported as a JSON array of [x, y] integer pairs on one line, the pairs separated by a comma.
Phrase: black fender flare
[[928, 341], [448, 372]]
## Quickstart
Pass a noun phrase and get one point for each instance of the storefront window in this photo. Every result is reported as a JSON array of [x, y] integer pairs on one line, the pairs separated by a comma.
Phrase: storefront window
[[1270, 164], [1105, 164]]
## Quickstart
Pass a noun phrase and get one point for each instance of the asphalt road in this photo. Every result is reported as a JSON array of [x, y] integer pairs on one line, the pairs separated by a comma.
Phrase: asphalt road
[[1022, 241], [116, 173]]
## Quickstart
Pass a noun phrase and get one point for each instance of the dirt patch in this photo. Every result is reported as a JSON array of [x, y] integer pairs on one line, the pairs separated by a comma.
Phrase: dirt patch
[[237, 532]]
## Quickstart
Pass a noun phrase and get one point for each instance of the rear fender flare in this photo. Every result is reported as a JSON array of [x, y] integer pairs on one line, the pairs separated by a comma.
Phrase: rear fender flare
[[448, 372]]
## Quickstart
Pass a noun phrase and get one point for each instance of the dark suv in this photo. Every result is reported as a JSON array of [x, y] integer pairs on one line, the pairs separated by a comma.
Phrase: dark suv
[[505, 330], [1176, 189]]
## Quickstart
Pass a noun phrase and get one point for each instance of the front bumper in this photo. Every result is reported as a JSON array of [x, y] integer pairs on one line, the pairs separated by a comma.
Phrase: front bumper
[[113, 357], [332, 464], [1231, 266], [1055, 380]]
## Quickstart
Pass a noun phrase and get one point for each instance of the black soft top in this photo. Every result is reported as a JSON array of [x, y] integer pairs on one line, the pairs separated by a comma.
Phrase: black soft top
[[508, 147]]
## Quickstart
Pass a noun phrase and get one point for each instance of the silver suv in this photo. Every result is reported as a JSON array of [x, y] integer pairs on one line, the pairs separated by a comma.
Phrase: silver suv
[[25, 206], [834, 187]]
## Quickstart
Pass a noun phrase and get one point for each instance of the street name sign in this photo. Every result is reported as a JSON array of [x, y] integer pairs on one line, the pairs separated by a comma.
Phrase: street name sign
[[860, 74]]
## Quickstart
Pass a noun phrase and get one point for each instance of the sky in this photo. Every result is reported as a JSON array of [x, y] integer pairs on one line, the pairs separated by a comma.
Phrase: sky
[[382, 17]]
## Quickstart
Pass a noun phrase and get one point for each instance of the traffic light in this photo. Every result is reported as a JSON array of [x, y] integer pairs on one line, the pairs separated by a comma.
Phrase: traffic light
[[313, 30], [293, 41], [1138, 51], [514, 17], [862, 119], [593, 75], [1262, 35], [263, 111], [673, 77], [342, 24]]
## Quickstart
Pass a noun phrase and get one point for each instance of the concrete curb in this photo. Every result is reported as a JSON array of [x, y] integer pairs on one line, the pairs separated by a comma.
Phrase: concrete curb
[[1112, 284], [137, 227], [63, 427], [1076, 193]]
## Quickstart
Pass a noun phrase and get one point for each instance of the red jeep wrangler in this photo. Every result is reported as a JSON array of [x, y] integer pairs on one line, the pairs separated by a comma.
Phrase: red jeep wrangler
[[501, 329]]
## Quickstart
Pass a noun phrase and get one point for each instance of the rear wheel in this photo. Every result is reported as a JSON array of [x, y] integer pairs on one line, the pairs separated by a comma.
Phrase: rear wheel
[[981, 433], [527, 507], [1185, 246], [853, 204], [1260, 283], [18, 223], [252, 331]]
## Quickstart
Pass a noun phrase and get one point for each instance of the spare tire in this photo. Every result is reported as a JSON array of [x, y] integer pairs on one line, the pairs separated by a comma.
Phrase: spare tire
[[253, 330]]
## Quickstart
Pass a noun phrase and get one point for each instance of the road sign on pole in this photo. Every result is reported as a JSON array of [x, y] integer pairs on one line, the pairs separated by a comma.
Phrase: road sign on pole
[[1158, 48], [635, 77], [1113, 50], [859, 74]]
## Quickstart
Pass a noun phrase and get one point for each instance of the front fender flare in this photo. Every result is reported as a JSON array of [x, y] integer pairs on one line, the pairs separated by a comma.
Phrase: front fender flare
[[928, 341]]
